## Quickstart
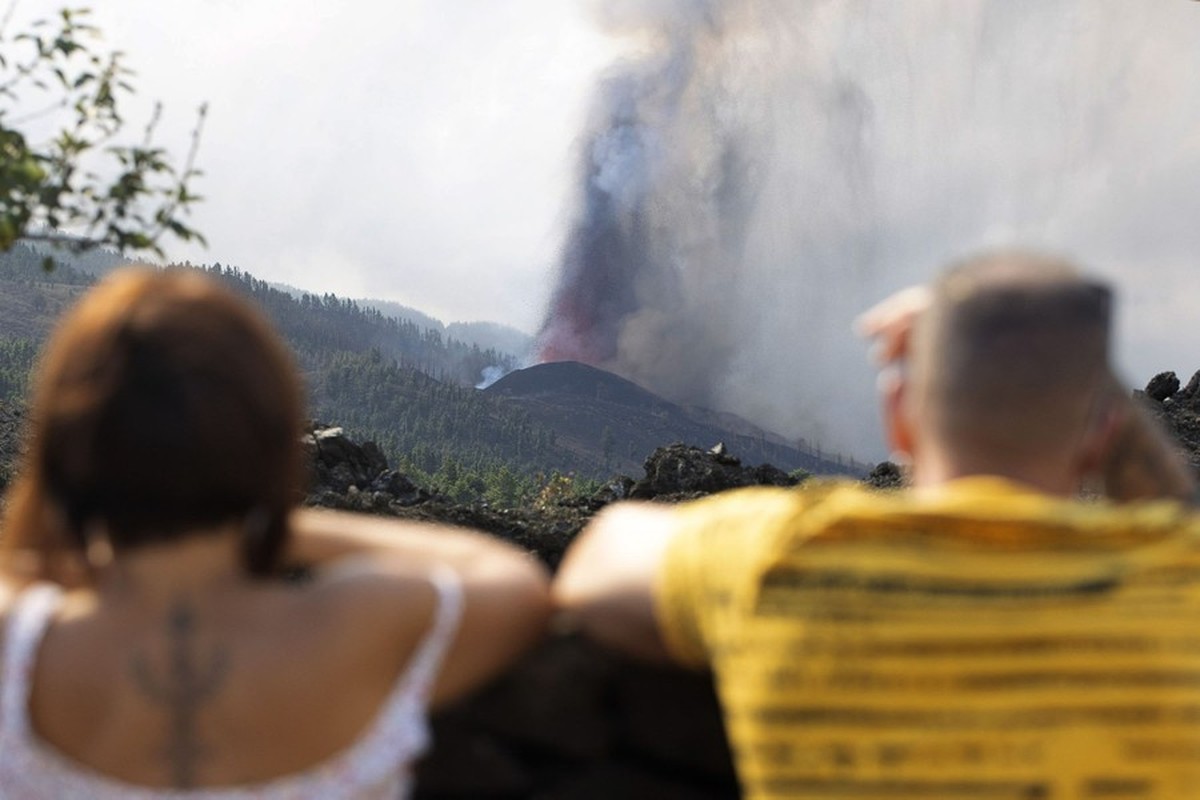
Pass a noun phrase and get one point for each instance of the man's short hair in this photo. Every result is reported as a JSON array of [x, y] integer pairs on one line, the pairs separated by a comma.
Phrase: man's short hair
[[1012, 351]]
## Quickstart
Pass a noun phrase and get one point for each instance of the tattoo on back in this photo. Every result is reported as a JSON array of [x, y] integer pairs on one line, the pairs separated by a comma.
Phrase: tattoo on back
[[182, 684]]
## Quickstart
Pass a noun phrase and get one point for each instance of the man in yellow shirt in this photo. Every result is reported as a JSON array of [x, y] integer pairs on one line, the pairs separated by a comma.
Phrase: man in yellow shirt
[[983, 634]]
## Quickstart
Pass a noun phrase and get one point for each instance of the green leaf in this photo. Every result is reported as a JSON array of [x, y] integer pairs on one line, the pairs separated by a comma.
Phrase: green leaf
[[64, 181]]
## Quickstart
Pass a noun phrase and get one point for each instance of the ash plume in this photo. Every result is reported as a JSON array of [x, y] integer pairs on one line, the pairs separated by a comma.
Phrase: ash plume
[[669, 182], [756, 172]]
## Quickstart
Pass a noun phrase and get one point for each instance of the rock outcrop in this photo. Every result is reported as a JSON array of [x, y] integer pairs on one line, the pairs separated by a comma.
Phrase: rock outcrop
[[346, 474], [680, 472], [885, 475], [1178, 410], [1162, 386], [355, 477]]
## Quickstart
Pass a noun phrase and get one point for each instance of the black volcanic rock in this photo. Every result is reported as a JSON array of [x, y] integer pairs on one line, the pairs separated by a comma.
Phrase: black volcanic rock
[[339, 463], [354, 476], [1178, 412], [1191, 392], [885, 475], [1162, 386], [679, 471]]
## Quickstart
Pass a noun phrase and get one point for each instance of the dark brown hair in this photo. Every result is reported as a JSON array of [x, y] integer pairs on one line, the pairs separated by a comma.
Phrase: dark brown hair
[[163, 404]]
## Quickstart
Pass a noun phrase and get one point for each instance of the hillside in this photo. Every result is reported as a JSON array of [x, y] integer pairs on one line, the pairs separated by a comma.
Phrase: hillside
[[484, 335], [31, 300], [12, 422], [411, 389], [403, 313], [492, 335], [597, 414]]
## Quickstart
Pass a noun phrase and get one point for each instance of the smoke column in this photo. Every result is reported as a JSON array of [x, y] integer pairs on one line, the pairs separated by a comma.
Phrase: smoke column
[[756, 172]]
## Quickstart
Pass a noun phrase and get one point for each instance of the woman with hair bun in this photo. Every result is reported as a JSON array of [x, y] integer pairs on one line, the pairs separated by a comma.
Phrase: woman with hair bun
[[149, 648]]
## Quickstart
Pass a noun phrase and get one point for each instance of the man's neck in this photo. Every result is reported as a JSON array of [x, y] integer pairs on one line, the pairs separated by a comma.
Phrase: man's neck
[[1044, 475]]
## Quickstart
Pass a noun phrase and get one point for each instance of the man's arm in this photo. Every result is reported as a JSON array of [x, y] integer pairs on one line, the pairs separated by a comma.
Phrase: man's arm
[[606, 582]]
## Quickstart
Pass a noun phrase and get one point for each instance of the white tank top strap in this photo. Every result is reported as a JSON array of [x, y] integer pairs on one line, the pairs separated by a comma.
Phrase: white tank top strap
[[427, 659], [28, 620], [402, 725]]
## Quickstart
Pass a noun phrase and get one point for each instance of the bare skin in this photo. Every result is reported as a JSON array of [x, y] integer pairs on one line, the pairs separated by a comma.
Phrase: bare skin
[[184, 685], [605, 582], [169, 668]]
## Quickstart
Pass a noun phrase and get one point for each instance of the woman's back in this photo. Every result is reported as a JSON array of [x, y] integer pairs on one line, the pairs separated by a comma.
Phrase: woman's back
[[216, 684]]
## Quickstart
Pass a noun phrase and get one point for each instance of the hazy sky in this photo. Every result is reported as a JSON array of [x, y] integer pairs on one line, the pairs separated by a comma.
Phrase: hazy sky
[[415, 150]]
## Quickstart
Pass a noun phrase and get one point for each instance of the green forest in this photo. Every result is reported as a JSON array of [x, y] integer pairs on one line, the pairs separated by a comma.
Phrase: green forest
[[411, 389]]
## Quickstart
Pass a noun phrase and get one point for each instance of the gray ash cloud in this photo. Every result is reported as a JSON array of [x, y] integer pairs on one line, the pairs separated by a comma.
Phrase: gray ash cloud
[[756, 172]]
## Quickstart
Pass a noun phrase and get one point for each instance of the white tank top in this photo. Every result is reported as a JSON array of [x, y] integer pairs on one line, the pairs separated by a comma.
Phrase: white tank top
[[377, 765]]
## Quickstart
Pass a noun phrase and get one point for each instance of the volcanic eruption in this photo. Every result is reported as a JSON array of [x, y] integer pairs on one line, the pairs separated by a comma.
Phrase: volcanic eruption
[[754, 173]]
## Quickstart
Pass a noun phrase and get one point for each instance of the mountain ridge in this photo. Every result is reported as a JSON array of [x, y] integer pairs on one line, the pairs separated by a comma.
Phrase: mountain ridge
[[590, 410]]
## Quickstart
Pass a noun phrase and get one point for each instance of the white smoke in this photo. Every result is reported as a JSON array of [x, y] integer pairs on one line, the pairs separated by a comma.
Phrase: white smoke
[[781, 164], [489, 375]]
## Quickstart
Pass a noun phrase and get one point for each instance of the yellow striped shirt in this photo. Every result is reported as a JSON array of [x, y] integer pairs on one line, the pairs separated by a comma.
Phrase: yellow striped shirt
[[980, 640]]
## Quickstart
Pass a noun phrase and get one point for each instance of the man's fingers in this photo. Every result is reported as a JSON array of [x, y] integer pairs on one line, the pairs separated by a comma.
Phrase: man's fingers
[[891, 321], [898, 309]]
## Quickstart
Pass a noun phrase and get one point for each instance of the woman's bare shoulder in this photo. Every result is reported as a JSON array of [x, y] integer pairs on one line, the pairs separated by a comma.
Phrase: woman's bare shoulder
[[380, 600], [370, 578]]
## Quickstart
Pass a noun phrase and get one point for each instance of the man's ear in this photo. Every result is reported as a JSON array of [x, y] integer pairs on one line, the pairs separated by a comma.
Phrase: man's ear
[[897, 422], [1105, 425]]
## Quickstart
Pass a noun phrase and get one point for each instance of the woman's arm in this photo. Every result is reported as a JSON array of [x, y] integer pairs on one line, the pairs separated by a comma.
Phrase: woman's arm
[[506, 591], [320, 537]]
